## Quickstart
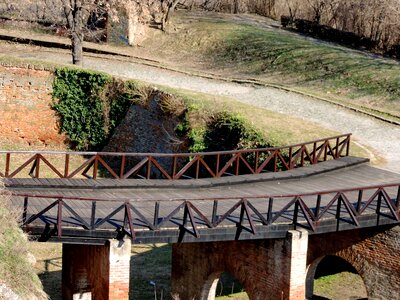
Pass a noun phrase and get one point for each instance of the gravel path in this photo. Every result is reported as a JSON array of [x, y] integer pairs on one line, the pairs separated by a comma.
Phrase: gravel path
[[384, 138]]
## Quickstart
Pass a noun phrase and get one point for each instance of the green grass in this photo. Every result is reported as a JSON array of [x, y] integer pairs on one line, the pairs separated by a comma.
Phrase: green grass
[[222, 45], [349, 284], [278, 129], [235, 296], [306, 63]]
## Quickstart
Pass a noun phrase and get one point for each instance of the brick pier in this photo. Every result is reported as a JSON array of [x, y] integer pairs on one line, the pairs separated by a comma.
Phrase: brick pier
[[96, 272], [267, 269]]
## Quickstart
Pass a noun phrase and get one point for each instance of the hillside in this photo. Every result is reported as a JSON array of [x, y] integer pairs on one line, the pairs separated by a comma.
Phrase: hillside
[[253, 47], [18, 279]]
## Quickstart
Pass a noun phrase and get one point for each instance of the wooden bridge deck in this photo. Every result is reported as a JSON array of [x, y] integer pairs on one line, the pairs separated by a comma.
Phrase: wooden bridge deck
[[327, 198]]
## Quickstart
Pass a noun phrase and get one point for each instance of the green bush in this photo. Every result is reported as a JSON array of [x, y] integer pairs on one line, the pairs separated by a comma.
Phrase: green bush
[[228, 131], [90, 105]]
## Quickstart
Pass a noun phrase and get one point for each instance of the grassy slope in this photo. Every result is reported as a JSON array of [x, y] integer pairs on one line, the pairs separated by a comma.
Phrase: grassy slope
[[219, 44], [16, 272], [273, 125]]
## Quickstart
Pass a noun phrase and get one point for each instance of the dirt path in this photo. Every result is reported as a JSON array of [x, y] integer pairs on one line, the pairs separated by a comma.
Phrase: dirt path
[[384, 138]]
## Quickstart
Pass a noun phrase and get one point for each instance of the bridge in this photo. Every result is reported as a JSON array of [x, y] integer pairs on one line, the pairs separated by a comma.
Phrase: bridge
[[268, 212]]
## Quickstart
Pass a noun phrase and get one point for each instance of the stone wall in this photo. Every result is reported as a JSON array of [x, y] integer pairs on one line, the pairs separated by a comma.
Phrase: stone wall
[[26, 117]]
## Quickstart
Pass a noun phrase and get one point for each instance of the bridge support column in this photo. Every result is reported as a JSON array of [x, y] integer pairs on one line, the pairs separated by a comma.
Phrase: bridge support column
[[267, 269], [96, 272]]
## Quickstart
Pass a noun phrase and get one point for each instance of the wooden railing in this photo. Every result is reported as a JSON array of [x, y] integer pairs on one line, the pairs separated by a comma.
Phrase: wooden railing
[[126, 215], [170, 166]]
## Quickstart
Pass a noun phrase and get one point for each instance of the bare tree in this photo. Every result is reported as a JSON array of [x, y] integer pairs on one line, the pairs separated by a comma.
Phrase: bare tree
[[74, 14]]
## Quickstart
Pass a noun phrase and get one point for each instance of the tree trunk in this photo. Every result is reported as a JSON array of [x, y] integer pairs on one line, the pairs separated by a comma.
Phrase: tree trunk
[[77, 48], [168, 14]]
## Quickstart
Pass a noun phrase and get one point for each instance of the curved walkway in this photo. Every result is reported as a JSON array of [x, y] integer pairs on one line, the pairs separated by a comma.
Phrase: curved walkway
[[158, 213], [382, 137]]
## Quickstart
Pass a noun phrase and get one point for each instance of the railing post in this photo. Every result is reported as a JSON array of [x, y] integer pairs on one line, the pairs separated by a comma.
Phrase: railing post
[[95, 166], [214, 212], [148, 167], [217, 166], [348, 145], [122, 170], [93, 216], [269, 215], [337, 149], [237, 163], [66, 166], [173, 167], [338, 209], [59, 218], [378, 207], [315, 153], [156, 214], [295, 213], [398, 198], [25, 212], [8, 157], [318, 207], [37, 169], [359, 201], [290, 158], [197, 166], [256, 160]]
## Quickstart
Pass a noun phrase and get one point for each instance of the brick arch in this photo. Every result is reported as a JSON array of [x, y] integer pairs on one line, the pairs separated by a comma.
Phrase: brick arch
[[203, 263], [267, 269], [372, 252], [209, 288], [312, 268]]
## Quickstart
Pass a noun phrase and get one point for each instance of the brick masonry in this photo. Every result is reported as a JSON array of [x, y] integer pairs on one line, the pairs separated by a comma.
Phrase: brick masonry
[[267, 269], [99, 271], [26, 116], [374, 253]]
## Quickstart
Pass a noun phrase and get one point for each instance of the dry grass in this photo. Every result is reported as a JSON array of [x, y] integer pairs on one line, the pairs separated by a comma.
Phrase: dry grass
[[16, 272], [245, 47], [278, 129]]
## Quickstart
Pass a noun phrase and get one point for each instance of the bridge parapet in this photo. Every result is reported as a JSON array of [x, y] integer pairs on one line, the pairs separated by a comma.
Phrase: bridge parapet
[[47, 164], [186, 219]]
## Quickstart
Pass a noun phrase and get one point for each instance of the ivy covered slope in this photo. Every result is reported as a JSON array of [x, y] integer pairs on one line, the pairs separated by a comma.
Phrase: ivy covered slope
[[90, 106], [17, 275]]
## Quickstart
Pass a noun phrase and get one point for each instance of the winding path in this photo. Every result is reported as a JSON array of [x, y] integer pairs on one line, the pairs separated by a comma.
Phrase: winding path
[[384, 138]]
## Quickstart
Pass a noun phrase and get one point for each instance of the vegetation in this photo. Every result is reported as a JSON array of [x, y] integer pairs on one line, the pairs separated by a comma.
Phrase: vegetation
[[90, 105], [305, 62], [222, 130], [375, 21], [16, 272], [240, 49], [81, 19]]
